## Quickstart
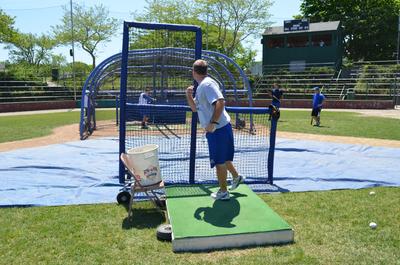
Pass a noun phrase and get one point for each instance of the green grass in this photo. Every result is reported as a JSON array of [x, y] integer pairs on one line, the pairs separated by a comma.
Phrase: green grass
[[331, 227], [333, 123], [341, 124], [19, 127]]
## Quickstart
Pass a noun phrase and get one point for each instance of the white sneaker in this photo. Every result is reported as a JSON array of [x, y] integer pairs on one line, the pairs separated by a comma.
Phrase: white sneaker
[[236, 181], [220, 195]]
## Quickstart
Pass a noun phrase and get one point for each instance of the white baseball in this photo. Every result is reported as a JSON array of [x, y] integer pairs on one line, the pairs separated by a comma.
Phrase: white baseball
[[373, 225]]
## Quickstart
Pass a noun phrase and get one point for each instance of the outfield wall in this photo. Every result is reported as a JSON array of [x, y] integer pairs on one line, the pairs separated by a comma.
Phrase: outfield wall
[[43, 105], [286, 103]]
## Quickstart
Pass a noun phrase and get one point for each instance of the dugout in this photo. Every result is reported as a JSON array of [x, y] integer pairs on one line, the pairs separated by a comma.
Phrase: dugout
[[299, 43]]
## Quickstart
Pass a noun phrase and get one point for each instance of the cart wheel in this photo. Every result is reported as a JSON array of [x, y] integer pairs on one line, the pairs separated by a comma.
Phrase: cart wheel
[[123, 197], [161, 203], [164, 232]]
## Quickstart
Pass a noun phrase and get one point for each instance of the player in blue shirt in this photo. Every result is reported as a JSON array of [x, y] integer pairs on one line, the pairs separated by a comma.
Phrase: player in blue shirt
[[318, 100], [209, 103]]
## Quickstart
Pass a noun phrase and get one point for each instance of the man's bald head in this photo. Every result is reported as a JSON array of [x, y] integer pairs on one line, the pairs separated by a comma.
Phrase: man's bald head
[[200, 67]]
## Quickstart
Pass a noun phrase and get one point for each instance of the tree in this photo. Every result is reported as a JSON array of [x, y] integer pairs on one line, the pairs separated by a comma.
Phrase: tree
[[92, 26], [235, 20], [370, 26], [173, 12], [32, 49], [230, 22], [167, 11], [7, 30]]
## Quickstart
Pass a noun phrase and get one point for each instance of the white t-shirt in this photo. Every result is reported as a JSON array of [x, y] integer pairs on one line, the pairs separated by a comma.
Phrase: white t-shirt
[[86, 101], [208, 93], [143, 98]]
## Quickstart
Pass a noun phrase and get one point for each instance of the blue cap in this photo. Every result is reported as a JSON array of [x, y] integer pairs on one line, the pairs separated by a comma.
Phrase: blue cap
[[316, 88]]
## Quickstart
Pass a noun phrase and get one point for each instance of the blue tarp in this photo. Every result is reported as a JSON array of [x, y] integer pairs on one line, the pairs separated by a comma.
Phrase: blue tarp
[[86, 172]]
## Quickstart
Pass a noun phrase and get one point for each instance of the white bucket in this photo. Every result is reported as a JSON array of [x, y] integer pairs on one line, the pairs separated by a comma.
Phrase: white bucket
[[144, 160]]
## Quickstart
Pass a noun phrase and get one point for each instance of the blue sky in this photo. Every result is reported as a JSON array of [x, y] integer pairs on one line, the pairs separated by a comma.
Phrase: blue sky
[[37, 17]]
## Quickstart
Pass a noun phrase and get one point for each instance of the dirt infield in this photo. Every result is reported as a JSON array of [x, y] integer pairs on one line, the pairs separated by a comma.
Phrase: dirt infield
[[70, 133], [61, 134]]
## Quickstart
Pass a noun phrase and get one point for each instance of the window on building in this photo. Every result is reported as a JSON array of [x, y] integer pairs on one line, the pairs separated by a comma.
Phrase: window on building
[[321, 40], [297, 41], [277, 42]]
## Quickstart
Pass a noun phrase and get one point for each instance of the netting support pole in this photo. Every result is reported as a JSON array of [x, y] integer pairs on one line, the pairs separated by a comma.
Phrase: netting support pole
[[122, 100], [192, 163], [116, 111], [271, 152]]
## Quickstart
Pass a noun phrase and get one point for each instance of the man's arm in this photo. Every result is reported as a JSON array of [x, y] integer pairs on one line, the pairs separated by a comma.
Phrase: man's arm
[[219, 108], [189, 98], [322, 101], [148, 98]]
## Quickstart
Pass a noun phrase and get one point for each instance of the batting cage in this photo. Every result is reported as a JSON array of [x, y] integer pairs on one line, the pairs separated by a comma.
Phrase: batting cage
[[157, 60]]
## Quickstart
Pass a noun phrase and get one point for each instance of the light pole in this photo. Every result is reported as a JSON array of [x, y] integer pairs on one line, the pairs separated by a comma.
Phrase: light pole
[[72, 53], [398, 40], [207, 32]]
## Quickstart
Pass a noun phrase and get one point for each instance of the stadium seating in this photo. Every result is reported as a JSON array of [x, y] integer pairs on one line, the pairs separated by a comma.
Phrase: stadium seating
[[367, 80]]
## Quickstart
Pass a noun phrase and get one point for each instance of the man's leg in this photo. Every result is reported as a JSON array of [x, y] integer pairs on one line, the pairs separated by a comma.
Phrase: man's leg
[[231, 168], [314, 115], [236, 178], [223, 193], [318, 117], [218, 144], [144, 122], [222, 175]]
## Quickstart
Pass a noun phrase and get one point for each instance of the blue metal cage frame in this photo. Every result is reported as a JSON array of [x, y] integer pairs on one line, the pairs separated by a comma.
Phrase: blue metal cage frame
[[102, 72]]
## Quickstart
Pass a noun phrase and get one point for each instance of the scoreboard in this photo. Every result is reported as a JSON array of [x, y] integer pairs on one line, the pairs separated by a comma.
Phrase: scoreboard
[[296, 25]]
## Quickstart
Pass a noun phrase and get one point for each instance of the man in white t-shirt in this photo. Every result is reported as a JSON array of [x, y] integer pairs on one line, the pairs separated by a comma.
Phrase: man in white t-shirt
[[209, 103]]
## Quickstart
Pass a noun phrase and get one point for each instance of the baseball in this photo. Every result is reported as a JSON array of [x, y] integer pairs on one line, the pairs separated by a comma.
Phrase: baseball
[[373, 225]]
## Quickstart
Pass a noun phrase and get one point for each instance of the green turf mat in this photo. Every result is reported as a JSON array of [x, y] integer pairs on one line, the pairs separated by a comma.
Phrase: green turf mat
[[193, 213]]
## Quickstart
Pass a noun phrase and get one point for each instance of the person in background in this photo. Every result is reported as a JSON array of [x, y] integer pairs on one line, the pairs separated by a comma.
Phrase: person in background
[[145, 99], [276, 94], [318, 100]]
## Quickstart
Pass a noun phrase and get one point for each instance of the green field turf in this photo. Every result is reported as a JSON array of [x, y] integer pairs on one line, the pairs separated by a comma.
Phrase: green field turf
[[20, 127], [341, 124]]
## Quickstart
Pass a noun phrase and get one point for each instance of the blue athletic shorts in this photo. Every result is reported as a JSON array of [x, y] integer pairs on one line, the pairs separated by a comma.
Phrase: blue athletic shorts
[[316, 112], [220, 145]]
